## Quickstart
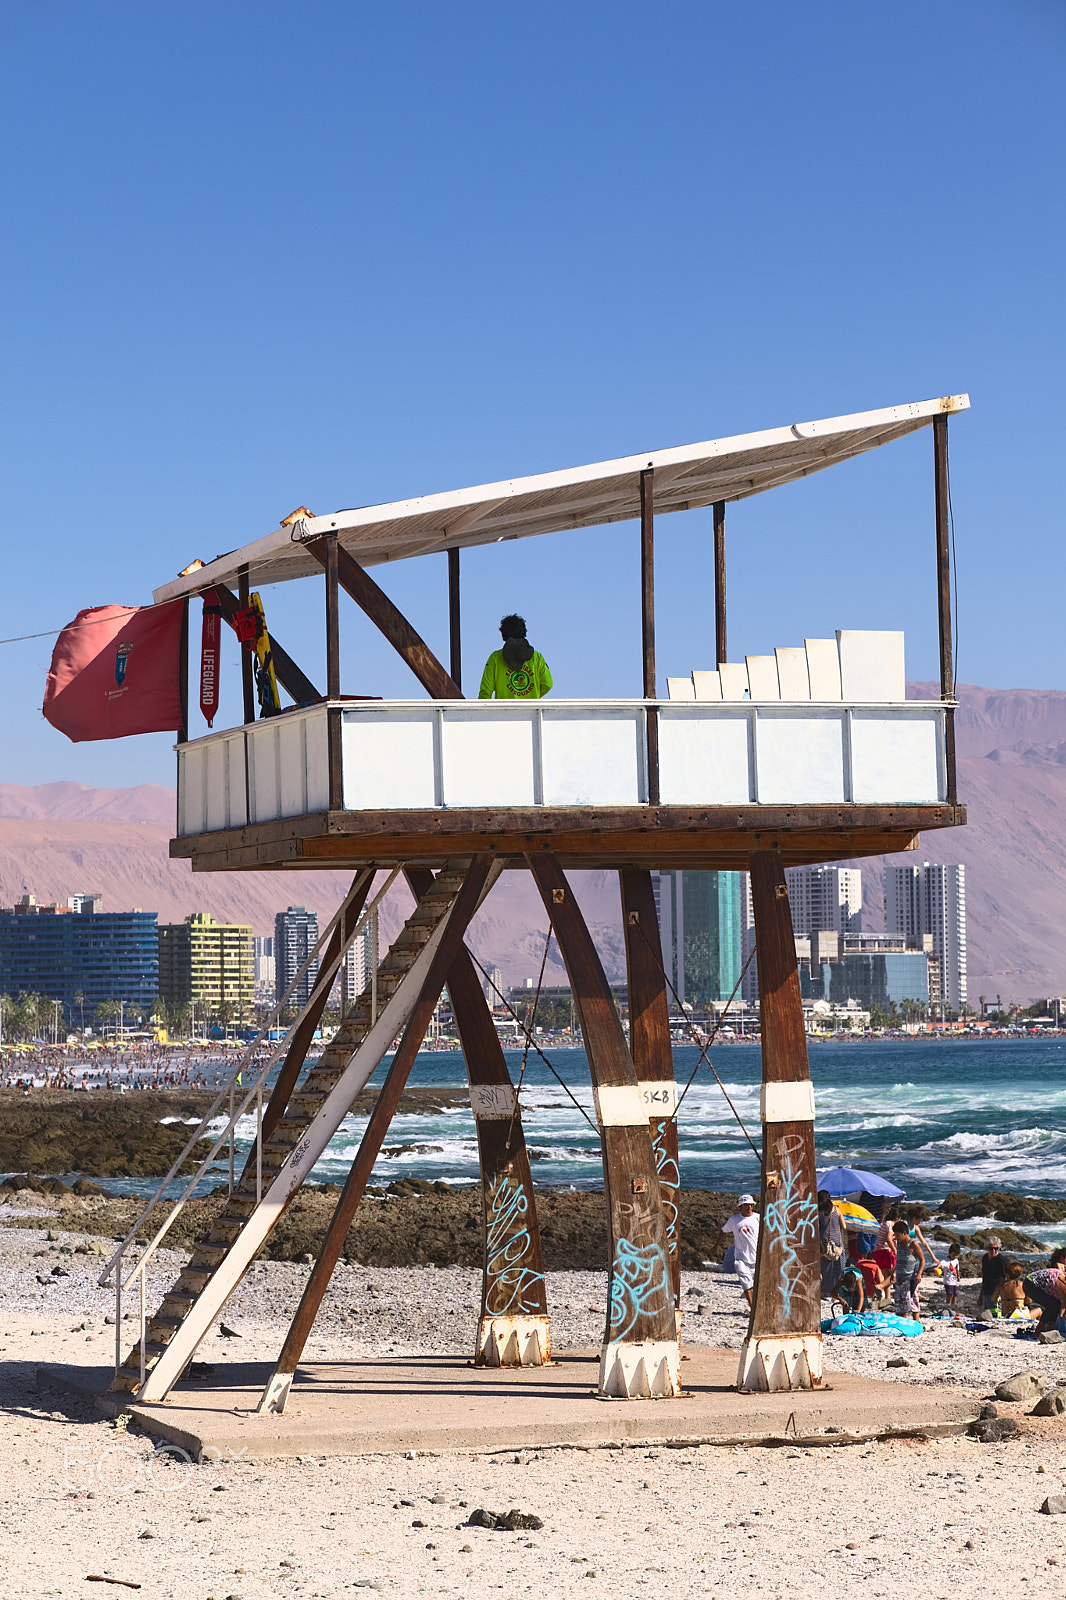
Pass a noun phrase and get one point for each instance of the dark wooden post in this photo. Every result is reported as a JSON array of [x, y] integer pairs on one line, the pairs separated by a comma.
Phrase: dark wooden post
[[647, 623], [247, 680], [370, 1145], [513, 1329], [334, 733], [649, 1042], [640, 1354], [783, 1349], [455, 649], [943, 583], [183, 674], [719, 582]]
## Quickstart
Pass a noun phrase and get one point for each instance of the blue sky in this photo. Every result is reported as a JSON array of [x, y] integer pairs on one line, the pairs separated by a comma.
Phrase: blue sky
[[259, 255]]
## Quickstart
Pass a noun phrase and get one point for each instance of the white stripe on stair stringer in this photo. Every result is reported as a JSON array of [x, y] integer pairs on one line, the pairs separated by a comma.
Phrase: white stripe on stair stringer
[[209, 1303]]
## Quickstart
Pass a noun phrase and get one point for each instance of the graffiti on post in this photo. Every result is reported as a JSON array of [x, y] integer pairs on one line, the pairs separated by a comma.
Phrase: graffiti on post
[[790, 1218], [512, 1287], [639, 1286], [669, 1179]]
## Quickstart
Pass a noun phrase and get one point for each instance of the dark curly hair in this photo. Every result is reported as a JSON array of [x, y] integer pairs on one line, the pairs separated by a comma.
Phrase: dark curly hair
[[513, 627]]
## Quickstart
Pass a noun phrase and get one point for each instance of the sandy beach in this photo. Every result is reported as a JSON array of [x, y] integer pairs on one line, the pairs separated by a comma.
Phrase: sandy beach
[[82, 1496]]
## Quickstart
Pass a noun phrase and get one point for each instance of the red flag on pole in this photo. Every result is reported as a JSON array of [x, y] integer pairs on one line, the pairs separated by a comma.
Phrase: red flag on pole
[[115, 671], [210, 644]]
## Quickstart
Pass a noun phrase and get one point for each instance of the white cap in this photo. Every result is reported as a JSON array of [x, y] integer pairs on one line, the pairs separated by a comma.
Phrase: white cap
[[746, 1200]]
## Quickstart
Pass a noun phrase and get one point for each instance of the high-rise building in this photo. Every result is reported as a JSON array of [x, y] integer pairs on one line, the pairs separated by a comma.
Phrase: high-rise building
[[295, 936], [207, 964], [824, 899], [263, 961], [83, 957], [931, 899], [700, 929], [357, 968]]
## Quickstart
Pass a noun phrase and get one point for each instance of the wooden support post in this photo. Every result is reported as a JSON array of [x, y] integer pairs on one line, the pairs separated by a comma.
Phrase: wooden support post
[[183, 674], [640, 1357], [292, 679], [783, 1349], [513, 1330], [719, 582], [334, 730], [247, 676], [649, 1042], [277, 1390], [455, 642], [647, 623], [393, 624], [943, 584]]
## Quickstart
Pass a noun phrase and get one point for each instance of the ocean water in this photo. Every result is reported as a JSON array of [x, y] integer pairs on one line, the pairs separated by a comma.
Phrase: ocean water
[[930, 1116]]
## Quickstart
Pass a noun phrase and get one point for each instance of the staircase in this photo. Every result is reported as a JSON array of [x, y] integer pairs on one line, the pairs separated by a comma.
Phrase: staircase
[[314, 1113]]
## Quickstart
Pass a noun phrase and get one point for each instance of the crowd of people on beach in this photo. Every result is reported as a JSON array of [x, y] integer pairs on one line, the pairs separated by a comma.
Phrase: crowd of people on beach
[[867, 1272], [145, 1066]]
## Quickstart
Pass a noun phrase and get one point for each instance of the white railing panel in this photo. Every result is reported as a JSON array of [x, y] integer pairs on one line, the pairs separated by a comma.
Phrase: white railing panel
[[391, 760], [216, 806], [316, 760], [799, 759], [236, 782], [895, 759], [703, 757], [592, 757], [292, 767], [488, 757], [263, 772]]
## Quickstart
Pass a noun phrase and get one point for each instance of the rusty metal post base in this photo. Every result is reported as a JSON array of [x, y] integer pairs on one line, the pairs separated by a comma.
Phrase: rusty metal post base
[[781, 1362], [513, 1342], [650, 1370]]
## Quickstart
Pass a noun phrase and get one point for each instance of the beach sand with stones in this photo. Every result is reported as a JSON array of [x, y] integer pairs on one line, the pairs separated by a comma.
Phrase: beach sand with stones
[[81, 1496]]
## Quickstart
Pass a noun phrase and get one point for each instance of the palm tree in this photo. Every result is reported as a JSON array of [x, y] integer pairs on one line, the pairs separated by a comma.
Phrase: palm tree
[[107, 1011]]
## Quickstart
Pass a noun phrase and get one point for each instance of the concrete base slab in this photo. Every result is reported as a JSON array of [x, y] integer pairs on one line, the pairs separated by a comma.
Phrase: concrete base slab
[[443, 1403]]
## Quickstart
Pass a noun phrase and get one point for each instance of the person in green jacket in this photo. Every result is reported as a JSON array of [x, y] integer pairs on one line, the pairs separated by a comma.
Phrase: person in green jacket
[[517, 672]]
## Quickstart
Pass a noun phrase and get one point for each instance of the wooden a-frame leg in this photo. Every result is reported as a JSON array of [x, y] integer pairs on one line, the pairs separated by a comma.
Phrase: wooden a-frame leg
[[649, 1042], [513, 1329], [640, 1355], [276, 1393], [783, 1349]]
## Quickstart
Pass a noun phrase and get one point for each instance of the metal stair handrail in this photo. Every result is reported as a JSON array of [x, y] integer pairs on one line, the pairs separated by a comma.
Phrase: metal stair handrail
[[254, 1091]]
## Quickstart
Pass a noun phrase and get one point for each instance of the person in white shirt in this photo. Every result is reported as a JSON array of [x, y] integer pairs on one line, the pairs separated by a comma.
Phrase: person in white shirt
[[744, 1226]]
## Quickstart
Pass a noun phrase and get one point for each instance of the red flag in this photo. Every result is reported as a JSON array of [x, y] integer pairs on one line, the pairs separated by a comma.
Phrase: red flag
[[115, 671], [210, 641]]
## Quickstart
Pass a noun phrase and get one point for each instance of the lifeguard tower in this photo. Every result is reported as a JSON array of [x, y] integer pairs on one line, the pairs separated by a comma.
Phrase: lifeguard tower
[[810, 754]]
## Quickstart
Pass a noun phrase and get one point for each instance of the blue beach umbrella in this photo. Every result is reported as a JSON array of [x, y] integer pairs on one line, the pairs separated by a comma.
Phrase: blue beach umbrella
[[839, 1181]]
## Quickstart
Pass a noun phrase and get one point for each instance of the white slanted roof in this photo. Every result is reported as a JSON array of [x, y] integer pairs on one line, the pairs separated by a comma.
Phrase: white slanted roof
[[686, 477]]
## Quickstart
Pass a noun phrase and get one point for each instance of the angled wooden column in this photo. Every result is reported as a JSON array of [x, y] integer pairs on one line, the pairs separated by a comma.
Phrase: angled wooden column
[[513, 1330], [640, 1355], [276, 1393], [292, 679], [360, 586], [649, 1042], [783, 1349]]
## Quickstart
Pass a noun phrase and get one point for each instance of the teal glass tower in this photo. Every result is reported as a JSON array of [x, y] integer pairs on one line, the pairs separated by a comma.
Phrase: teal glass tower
[[699, 923]]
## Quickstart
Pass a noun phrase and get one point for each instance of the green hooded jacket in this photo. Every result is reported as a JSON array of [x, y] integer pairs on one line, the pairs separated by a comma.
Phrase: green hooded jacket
[[517, 672]]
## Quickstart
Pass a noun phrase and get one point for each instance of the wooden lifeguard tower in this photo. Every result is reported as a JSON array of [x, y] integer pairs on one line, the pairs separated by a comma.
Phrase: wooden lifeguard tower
[[807, 755]]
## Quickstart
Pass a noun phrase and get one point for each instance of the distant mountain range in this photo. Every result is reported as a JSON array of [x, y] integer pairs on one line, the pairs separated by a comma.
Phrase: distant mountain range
[[58, 838]]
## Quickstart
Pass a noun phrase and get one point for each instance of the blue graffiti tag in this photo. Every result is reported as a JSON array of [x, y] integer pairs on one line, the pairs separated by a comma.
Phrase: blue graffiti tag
[[638, 1285], [512, 1288], [790, 1219], [669, 1179]]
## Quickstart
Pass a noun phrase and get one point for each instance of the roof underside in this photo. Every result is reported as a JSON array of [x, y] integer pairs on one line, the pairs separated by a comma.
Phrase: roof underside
[[581, 497]]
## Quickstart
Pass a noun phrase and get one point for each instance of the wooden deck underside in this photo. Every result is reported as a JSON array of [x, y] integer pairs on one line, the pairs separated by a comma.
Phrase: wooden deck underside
[[697, 838]]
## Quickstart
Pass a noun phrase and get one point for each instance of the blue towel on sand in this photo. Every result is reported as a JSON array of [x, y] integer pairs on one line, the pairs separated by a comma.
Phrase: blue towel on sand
[[874, 1324]]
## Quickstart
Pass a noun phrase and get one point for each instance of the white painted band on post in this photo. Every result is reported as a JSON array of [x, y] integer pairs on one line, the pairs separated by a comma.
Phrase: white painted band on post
[[620, 1105], [787, 1102], [660, 1098], [492, 1102]]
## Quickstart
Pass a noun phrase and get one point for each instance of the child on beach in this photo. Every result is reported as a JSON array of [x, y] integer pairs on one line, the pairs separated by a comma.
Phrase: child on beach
[[910, 1264], [950, 1268]]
